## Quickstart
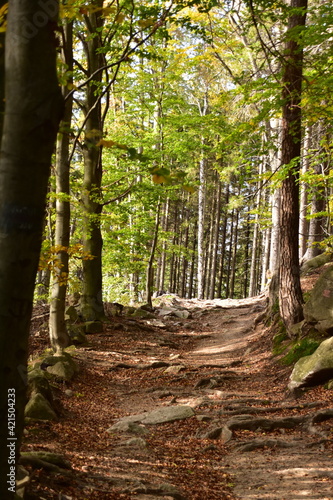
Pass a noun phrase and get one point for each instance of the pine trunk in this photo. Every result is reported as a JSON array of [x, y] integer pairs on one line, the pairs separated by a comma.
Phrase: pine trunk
[[290, 293]]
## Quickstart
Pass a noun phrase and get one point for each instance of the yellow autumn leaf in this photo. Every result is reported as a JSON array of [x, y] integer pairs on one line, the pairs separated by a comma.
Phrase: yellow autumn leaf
[[158, 179], [119, 18], [106, 143], [3, 10], [189, 189], [144, 23]]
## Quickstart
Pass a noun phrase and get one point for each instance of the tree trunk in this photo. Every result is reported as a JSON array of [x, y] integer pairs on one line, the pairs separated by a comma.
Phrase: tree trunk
[[2, 74], [290, 293], [303, 222], [57, 325], [215, 240], [32, 113], [149, 274], [201, 228], [91, 301]]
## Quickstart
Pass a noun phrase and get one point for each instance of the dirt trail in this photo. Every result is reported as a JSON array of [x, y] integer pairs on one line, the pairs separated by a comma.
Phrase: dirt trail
[[215, 361]]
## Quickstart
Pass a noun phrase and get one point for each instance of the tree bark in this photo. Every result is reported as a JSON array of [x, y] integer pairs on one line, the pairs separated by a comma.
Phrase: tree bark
[[32, 113], [91, 301], [290, 293], [57, 326]]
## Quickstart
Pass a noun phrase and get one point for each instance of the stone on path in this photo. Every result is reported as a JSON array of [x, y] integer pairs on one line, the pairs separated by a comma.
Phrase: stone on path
[[159, 416]]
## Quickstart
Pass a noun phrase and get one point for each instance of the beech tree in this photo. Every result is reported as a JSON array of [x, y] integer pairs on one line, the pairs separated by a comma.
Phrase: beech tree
[[29, 130]]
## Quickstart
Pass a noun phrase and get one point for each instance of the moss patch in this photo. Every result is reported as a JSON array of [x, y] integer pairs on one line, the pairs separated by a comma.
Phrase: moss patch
[[299, 349]]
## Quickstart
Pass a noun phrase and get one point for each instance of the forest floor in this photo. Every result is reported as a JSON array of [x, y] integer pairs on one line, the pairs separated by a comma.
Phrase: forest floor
[[222, 367]]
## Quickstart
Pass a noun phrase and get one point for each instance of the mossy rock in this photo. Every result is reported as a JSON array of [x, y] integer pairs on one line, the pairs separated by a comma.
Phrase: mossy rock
[[300, 349], [65, 357], [77, 334], [142, 314], [39, 408], [71, 314], [38, 383], [314, 369], [62, 370]]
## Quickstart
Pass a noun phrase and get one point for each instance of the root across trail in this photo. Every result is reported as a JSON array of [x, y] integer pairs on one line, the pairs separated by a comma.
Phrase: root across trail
[[187, 407]]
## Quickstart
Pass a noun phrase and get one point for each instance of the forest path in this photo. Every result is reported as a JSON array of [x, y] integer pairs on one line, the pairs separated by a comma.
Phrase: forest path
[[217, 362]]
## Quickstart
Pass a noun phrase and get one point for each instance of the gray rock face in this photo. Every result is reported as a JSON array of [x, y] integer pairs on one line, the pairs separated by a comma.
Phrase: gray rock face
[[39, 408], [314, 369], [319, 308], [159, 416]]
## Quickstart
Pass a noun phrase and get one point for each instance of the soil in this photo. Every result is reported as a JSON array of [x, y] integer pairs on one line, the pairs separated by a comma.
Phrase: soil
[[223, 368]]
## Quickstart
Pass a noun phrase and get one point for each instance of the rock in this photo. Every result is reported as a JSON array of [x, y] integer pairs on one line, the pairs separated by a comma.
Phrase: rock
[[319, 308], [39, 408], [136, 442], [76, 333], [159, 416], [125, 426], [316, 262], [175, 369], [53, 359], [315, 369], [166, 311], [226, 434], [184, 314], [62, 370], [38, 383], [128, 310], [142, 314], [156, 322], [71, 314], [92, 327], [73, 299]]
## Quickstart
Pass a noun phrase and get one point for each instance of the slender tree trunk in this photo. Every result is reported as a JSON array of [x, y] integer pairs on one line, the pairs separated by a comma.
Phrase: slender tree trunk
[[234, 257], [201, 227], [29, 131], [149, 274], [229, 257], [91, 301], [290, 293], [304, 223], [57, 325], [215, 240], [319, 197], [160, 286], [223, 247]]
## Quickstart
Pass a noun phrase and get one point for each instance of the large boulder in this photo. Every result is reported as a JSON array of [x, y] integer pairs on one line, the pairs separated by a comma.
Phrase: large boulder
[[315, 369], [319, 308]]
